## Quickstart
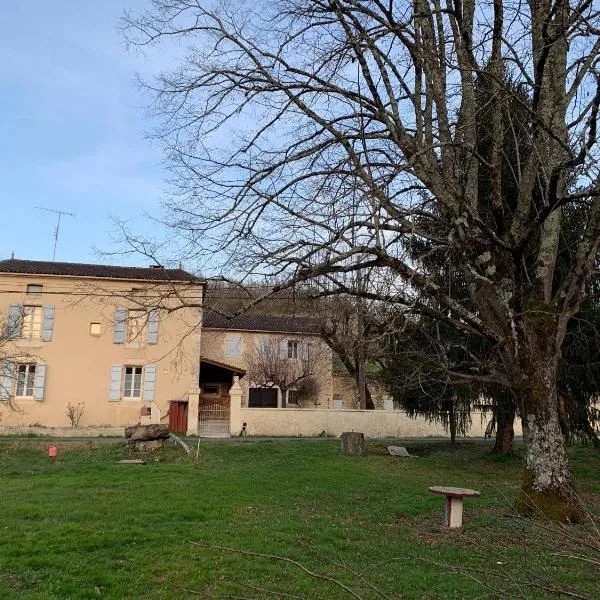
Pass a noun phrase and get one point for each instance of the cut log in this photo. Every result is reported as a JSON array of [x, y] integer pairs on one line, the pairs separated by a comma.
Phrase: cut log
[[353, 443], [144, 433]]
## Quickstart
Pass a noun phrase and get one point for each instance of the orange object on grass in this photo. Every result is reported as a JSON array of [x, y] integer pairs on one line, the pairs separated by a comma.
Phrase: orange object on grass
[[52, 451]]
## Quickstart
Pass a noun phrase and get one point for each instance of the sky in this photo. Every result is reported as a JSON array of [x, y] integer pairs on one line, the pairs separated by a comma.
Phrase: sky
[[73, 131]]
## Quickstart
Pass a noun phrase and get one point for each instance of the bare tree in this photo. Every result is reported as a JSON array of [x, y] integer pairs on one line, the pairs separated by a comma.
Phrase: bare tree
[[287, 365], [351, 132], [11, 356]]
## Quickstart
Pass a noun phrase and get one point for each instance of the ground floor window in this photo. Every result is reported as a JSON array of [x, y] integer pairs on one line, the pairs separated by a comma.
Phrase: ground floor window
[[25, 380], [262, 398], [132, 385], [292, 397]]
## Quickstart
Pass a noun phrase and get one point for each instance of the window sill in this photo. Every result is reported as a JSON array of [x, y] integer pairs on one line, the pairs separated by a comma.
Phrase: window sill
[[38, 343], [137, 345], [131, 400]]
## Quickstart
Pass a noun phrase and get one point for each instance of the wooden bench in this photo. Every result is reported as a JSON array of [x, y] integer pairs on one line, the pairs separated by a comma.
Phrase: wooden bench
[[453, 515]]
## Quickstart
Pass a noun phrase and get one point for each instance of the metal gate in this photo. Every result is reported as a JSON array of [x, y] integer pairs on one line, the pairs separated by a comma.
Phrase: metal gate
[[213, 420]]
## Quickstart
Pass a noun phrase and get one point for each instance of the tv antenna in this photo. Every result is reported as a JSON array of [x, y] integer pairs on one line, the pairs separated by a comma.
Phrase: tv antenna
[[60, 213]]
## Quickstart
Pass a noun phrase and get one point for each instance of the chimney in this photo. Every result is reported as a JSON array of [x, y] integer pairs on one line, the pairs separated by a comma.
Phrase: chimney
[[157, 267]]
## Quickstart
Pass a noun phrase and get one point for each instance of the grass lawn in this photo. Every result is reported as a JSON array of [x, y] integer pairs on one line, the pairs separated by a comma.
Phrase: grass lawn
[[87, 527]]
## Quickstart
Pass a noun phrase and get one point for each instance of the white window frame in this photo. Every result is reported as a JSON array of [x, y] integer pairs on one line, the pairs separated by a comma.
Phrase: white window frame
[[132, 389], [288, 402], [293, 349], [27, 382], [32, 321]]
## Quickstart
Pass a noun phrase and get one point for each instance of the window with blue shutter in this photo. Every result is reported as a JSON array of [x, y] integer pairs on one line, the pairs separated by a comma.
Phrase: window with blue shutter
[[233, 346], [40, 381], [283, 349], [48, 323], [114, 393], [305, 351], [152, 326], [149, 382], [7, 380], [120, 331], [14, 323]]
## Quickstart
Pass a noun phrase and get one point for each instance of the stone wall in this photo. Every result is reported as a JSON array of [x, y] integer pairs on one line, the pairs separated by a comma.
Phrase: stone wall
[[306, 422]]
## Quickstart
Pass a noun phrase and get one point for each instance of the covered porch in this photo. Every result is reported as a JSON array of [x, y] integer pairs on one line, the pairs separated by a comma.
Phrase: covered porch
[[214, 382]]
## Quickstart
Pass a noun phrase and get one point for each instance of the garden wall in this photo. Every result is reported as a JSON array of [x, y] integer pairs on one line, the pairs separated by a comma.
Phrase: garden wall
[[373, 423]]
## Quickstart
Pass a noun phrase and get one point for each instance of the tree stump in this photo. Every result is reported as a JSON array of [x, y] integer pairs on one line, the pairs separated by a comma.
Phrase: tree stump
[[353, 443]]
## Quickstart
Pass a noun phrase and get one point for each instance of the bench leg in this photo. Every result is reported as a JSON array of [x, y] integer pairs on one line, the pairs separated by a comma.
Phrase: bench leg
[[454, 512]]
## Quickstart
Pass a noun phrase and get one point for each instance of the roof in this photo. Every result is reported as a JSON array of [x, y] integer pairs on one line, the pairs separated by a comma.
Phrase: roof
[[251, 322], [222, 365], [41, 267]]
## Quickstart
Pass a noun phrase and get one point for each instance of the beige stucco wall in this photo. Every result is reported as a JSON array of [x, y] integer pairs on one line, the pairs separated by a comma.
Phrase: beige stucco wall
[[373, 423], [78, 365], [214, 344]]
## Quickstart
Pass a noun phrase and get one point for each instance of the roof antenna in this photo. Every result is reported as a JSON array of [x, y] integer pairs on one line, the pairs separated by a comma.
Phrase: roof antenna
[[60, 213]]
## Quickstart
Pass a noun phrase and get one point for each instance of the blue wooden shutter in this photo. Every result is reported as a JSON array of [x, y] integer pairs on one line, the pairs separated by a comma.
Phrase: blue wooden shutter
[[7, 380], [152, 326], [40, 381], [305, 351], [48, 324], [14, 323], [283, 349], [115, 383], [149, 382], [233, 346], [120, 331]]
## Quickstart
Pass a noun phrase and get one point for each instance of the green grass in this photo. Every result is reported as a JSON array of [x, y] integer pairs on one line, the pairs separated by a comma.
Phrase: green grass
[[87, 527]]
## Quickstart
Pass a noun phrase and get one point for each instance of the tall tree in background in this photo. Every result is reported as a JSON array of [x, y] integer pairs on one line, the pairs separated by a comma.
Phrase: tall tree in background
[[352, 128]]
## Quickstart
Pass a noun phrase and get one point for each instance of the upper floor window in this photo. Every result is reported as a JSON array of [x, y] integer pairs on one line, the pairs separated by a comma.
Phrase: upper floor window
[[292, 349], [233, 346], [136, 326], [32, 322], [34, 289]]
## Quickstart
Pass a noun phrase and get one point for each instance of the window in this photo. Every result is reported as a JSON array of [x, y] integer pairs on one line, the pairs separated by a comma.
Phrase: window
[[32, 322], [95, 329], [233, 346], [211, 390], [132, 386], [34, 289], [25, 381], [292, 349], [292, 397], [136, 326]]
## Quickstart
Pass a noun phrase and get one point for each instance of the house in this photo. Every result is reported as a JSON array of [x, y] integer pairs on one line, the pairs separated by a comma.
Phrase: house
[[115, 341], [275, 356]]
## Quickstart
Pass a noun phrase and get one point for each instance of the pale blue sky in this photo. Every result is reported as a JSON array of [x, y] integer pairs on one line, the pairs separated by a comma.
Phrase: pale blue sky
[[72, 129]]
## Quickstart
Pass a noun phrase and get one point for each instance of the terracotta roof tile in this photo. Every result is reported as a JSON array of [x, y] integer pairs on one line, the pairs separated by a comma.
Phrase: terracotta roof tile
[[251, 322], [40, 267]]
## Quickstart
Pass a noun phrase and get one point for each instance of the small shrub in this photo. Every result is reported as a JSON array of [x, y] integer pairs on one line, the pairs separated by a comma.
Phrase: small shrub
[[75, 412]]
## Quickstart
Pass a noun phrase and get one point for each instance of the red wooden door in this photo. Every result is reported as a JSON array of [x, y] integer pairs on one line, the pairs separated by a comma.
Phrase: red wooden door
[[178, 411]]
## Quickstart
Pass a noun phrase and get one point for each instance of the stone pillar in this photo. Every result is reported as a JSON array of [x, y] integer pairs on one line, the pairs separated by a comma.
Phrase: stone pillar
[[192, 413], [235, 407]]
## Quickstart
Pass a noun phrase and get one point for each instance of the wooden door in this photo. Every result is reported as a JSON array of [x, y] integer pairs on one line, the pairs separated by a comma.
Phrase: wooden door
[[178, 416]]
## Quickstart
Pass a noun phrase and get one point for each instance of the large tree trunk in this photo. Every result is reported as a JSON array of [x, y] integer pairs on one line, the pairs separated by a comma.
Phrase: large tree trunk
[[505, 418], [547, 487]]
